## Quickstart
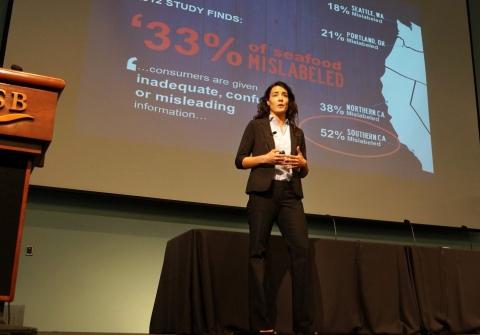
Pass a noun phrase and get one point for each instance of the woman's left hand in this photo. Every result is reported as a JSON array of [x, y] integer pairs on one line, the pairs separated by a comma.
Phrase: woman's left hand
[[295, 161]]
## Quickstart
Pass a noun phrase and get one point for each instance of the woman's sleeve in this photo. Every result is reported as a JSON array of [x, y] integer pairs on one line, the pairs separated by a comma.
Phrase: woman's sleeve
[[246, 145], [303, 149]]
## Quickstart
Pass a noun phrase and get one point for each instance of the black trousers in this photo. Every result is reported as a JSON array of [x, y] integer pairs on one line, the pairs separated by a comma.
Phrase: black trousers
[[282, 206]]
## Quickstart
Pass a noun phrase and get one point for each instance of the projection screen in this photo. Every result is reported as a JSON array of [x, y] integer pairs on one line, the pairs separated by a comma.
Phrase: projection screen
[[159, 92]]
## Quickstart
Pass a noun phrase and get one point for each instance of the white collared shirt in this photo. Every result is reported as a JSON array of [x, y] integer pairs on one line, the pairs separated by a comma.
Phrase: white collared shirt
[[281, 136]]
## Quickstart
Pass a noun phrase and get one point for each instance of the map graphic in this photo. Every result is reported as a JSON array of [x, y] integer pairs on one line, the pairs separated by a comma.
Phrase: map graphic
[[405, 92]]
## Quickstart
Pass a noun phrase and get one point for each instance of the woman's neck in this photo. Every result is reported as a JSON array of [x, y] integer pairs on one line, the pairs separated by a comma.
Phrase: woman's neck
[[281, 118]]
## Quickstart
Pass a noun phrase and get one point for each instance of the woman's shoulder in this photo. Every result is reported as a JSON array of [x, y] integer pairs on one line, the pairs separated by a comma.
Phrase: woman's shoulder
[[298, 131], [297, 128], [256, 122], [262, 119]]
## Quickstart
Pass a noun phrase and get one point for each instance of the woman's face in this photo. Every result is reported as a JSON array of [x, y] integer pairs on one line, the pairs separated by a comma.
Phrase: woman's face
[[278, 100]]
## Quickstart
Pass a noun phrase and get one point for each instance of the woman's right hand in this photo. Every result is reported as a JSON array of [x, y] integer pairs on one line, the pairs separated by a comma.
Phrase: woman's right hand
[[275, 157]]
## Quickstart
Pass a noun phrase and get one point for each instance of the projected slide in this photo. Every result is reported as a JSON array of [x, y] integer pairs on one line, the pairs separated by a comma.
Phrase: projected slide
[[188, 76]]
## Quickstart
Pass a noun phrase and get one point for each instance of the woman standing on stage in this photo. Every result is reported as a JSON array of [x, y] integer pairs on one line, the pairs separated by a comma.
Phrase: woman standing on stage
[[273, 148]]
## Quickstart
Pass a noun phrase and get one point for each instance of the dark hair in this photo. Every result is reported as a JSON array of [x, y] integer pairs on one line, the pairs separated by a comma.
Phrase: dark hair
[[263, 110]]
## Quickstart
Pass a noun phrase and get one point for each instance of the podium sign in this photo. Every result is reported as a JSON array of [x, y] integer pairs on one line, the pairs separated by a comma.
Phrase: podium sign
[[23, 112], [27, 113]]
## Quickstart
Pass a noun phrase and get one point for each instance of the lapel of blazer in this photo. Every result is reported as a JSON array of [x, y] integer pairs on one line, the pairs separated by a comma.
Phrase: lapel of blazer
[[267, 134], [294, 141]]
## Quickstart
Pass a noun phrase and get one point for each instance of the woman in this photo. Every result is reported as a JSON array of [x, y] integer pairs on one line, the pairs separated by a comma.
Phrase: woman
[[273, 147]]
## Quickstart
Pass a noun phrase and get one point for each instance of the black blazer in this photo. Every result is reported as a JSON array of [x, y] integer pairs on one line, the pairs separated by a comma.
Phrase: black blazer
[[257, 140]]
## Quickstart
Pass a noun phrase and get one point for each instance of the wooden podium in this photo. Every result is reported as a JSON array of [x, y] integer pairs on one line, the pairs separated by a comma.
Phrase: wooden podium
[[27, 113]]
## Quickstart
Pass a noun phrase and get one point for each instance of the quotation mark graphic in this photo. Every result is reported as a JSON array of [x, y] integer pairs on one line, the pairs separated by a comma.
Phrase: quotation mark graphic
[[132, 64]]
